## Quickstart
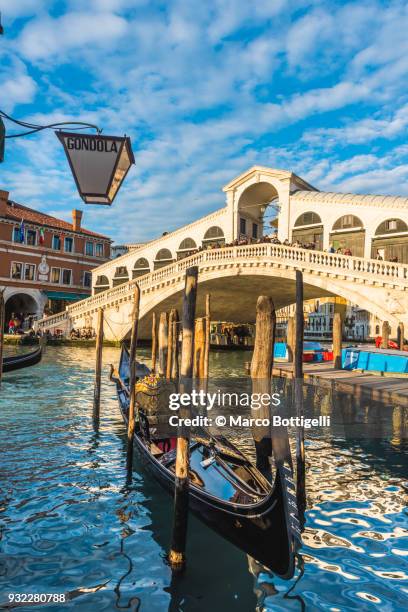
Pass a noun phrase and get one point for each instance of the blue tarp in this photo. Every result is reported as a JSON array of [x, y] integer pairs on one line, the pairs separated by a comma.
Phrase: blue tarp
[[280, 350], [357, 359]]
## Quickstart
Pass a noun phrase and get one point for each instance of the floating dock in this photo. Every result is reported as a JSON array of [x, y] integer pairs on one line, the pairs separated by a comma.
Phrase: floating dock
[[387, 388]]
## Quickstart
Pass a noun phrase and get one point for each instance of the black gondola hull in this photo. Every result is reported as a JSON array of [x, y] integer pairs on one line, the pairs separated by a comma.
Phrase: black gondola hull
[[262, 530], [18, 362], [262, 534]]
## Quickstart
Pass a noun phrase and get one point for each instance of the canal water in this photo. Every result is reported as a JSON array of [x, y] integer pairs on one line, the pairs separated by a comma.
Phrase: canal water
[[70, 525]]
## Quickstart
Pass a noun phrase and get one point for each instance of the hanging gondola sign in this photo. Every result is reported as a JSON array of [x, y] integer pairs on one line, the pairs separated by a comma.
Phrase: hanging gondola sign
[[98, 163]]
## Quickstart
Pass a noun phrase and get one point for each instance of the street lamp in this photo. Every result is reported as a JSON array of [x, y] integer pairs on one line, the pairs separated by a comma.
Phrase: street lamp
[[98, 163]]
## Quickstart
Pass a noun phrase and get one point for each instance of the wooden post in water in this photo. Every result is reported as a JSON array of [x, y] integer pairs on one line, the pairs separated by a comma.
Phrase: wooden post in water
[[98, 365], [170, 330], [290, 338], [132, 383], [174, 347], [400, 333], [298, 396], [154, 342], [163, 340], [181, 485], [337, 340], [207, 338], [299, 327], [199, 349], [385, 332], [2, 323], [261, 371]]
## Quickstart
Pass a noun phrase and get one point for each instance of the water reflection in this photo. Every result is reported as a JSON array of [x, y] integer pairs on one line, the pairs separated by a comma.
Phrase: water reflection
[[69, 523]]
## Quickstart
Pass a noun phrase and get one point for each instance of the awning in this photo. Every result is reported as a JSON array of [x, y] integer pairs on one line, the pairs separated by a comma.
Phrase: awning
[[63, 295]]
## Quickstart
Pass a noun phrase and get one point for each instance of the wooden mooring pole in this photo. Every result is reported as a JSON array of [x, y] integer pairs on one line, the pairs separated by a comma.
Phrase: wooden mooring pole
[[98, 365], [2, 323], [385, 333], [175, 347], [290, 338], [206, 370], [261, 371], [181, 485], [199, 349], [299, 327], [400, 334], [163, 340], [298, 395], [170, 330], [154, 342], [337, 340], [132, 383]]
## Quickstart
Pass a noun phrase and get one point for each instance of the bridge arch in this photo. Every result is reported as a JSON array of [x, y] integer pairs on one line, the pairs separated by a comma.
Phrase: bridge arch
[[308, 228], [243, 287], [102, 284], [141, 267], [163, 258], [213, 236], [348, 234], [252, 206], [121, 276], [187, 247]]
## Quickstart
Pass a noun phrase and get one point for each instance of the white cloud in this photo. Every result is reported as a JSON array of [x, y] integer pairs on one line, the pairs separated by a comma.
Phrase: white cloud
[[46, 37], [16, 86], [204, 89], [359, 132]]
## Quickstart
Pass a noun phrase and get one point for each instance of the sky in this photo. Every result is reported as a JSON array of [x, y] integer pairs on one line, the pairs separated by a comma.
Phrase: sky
[[205, 90]]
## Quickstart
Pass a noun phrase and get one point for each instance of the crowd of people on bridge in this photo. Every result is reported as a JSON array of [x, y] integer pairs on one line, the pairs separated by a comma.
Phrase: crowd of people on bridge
[[273, 239], [245, 240]]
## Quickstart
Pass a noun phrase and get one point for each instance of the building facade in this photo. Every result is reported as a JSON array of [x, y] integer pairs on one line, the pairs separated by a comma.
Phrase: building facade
[[45, 262], [262, 199]]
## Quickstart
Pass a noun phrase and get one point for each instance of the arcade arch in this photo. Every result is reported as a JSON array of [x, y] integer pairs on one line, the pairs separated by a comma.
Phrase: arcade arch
[[141, 267], [163, 258], [20, 304], [308, 229], [390, 241], [348, 233], [252, 207], [187, 247], [102, 284], [121, 276], [213, 236]]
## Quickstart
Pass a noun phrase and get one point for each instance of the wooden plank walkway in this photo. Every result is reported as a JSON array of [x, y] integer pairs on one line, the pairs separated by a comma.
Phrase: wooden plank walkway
[[386, 389]]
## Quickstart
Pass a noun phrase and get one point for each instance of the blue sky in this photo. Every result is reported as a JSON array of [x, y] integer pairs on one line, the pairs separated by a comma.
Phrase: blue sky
[[205, 90]]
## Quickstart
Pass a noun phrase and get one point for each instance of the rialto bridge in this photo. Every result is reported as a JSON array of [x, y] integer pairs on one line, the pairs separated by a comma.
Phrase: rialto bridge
[[373, 228]]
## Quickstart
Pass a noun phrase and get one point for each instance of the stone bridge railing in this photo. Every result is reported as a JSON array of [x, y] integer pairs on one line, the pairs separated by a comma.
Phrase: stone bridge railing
[[354, 268]]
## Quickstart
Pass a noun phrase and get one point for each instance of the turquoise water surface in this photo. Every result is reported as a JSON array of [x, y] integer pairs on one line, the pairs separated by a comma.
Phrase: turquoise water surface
[[70, 524]]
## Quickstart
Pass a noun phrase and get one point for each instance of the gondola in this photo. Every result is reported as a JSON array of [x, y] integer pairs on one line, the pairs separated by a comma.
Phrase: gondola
[[17, 362], [227, 492]]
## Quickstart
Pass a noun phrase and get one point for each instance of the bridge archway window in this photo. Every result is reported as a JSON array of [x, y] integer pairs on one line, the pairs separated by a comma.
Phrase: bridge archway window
[[348, 235], [121, 276], [163, 258], [141, 267], [308, 229], [102, 284], [391, 241], [187, 247], [213, 237], [256, 203]]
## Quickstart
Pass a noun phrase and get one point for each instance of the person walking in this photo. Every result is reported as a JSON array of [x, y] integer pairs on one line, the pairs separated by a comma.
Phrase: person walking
[[11, 326]]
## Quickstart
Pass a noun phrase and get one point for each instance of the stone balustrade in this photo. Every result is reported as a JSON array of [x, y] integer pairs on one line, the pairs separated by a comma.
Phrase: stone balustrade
[[358, 269]]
